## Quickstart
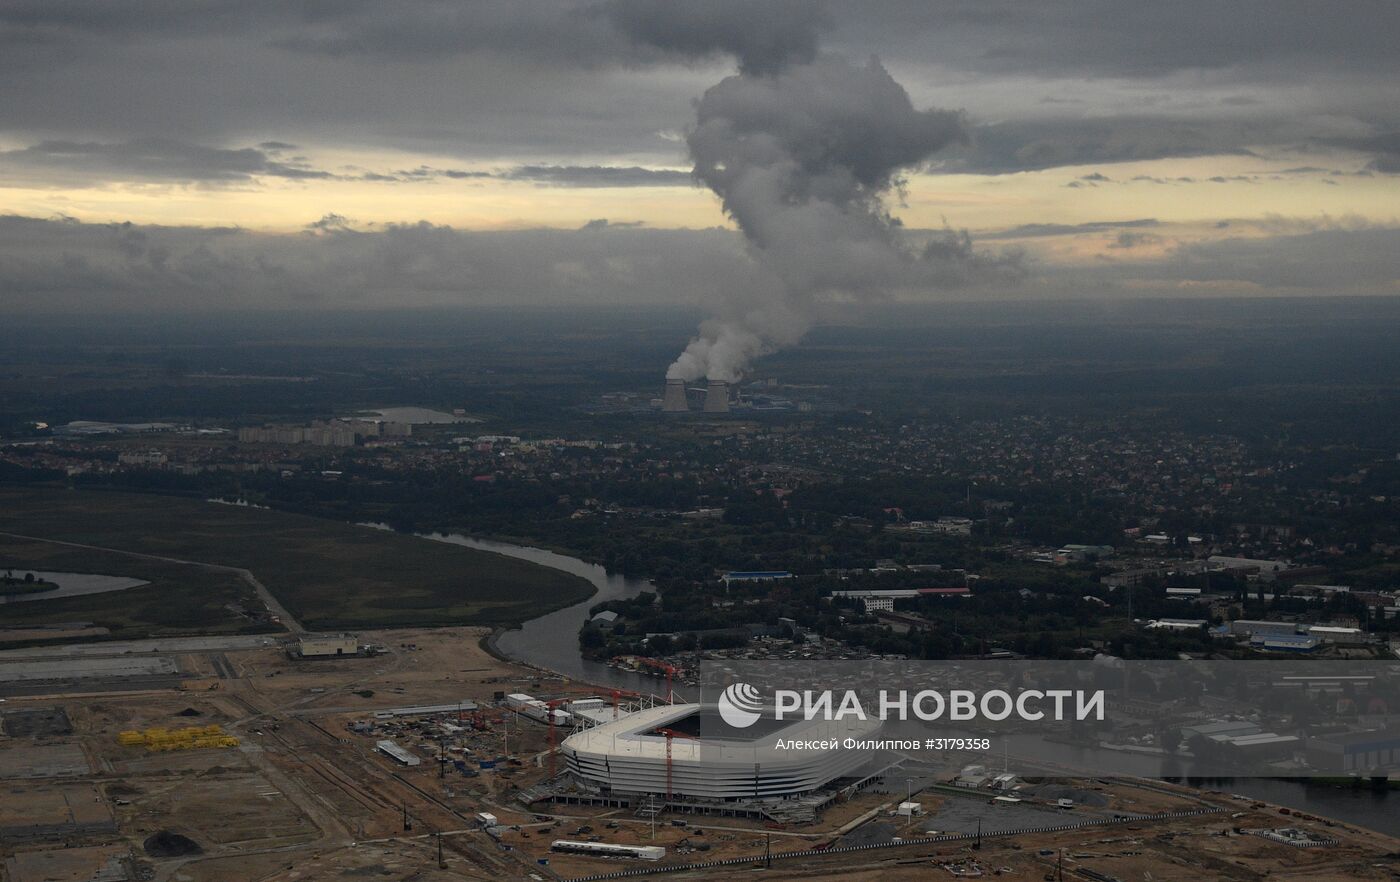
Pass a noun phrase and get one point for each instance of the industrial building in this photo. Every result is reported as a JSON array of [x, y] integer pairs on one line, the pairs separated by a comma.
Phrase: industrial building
[[1230, 728], [1256, 631], [686, 751], [1177, 624], [1251, 628], [1355, 752], [1336, 634], [1284, 642], [327, 646], [389, 748], [1265, 570]]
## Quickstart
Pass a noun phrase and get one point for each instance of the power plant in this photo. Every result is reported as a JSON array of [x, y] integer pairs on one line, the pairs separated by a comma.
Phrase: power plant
[[717, 397], [674, 400]]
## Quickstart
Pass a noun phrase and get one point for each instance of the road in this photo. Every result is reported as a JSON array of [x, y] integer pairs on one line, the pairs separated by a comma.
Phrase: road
[[273, 606]]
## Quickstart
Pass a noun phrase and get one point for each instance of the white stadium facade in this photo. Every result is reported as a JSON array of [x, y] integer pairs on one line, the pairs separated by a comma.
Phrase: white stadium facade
[[709, 760]]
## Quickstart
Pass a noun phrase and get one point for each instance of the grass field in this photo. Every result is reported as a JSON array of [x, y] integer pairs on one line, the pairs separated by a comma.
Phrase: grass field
[[180, 600], [328, 574]]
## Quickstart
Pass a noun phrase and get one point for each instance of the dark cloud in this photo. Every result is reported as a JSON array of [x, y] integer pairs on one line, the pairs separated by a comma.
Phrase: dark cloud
[[1325, 261], [1152, 179], [330, 223], [1384, 149], [601, 223], [65, 21], [1129, 239], [553, 32], [59, 163], [63, 265], [525, 83], [763, 35], [1069, 37], [424, 173], [600, 176], [1029, 231], [1029, 145], [1254, 39], [554, 91], [151, 158]]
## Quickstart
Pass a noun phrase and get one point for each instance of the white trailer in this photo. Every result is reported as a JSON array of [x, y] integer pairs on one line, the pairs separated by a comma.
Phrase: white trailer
[[610, 849]]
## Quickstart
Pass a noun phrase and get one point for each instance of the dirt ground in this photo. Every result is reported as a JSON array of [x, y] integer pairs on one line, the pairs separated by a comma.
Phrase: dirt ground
[[63, 865], [305, 795]]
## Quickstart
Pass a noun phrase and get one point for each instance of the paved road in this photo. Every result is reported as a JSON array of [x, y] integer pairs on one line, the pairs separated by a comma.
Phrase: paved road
[[273, 606]]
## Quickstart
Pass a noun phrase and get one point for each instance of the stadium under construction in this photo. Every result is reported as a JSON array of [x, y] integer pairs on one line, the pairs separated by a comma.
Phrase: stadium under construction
[[683, 757]]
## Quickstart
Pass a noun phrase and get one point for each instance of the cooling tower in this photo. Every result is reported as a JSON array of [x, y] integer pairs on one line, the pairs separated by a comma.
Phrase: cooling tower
[[674, 399], [717, 397]]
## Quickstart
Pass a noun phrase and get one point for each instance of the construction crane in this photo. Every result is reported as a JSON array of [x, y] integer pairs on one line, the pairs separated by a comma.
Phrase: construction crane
[[670, 670], [671, 733], [617, 698]]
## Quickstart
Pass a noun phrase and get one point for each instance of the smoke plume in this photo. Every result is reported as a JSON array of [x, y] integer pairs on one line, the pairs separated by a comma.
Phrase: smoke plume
[[802, 150]]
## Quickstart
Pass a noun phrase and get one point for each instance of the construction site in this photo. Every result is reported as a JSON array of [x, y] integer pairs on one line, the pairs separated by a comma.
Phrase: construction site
[[200, 759]]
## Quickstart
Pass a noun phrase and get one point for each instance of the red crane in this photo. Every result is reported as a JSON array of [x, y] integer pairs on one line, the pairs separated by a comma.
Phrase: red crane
[[670, 669], [671, 733], [617, 696]]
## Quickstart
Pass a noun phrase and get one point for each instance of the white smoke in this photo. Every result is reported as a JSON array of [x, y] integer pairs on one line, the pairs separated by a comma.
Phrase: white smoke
[[802, 159], [723, 348]]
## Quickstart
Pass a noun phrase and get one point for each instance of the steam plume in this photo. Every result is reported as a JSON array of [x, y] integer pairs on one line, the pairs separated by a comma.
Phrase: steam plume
[[802, 149]]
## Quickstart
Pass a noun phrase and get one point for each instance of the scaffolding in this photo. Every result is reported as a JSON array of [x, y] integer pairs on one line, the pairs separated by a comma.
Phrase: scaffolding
[[159, 739]]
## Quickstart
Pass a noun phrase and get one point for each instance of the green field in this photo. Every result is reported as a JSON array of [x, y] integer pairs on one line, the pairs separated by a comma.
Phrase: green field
[[327, 574], [180, 600]]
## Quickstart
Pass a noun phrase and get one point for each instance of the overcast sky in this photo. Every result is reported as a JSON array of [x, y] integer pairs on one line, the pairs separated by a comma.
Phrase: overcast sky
[[343, 152]]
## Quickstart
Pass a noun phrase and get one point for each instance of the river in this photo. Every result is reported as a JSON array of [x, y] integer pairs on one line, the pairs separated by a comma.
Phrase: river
[[72, 585], [551, 642]]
